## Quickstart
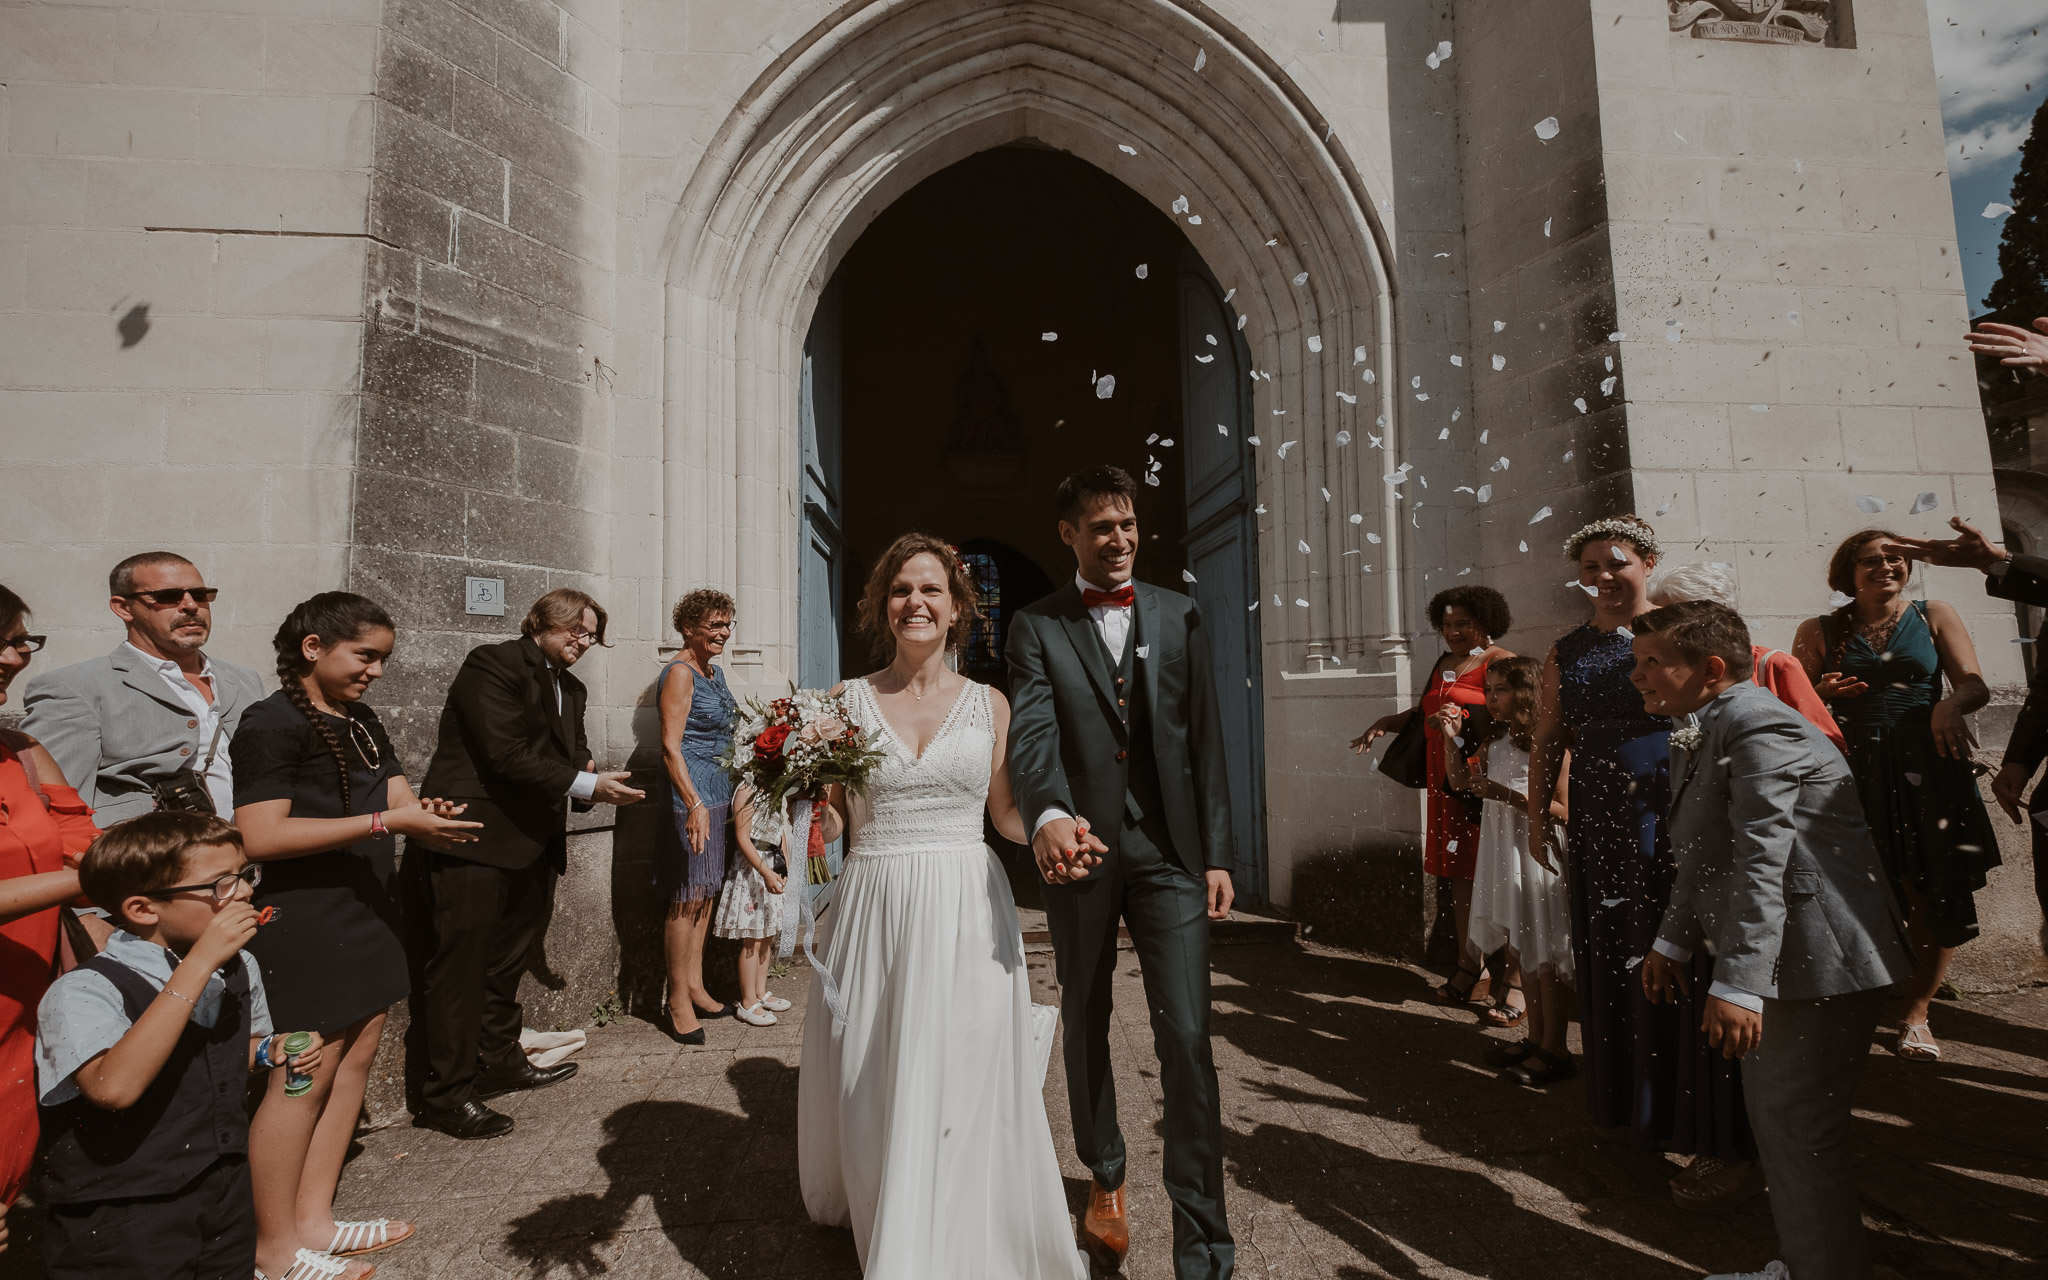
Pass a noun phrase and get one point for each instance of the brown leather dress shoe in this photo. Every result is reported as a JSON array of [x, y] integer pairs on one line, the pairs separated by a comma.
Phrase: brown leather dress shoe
[[1105, 1231]]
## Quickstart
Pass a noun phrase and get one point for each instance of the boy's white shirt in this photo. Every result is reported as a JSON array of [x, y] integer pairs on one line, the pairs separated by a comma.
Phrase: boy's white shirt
[[82, 1015]]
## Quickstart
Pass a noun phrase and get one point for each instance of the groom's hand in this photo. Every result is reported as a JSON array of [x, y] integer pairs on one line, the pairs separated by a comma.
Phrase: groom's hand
[[1064, 849], [1221, 894]]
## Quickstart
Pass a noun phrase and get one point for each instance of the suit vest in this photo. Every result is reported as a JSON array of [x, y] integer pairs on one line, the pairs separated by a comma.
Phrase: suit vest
[[1142, 795], [188, 1118]]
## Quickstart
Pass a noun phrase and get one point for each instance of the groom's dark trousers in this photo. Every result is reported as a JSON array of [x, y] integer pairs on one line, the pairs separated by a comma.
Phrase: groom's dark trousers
[[1106, 711]]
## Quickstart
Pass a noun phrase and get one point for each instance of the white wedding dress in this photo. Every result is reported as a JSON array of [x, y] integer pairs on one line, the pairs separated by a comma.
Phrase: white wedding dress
[[921, 1118]]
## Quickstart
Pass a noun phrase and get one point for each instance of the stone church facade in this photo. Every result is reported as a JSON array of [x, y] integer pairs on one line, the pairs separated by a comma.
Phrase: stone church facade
[[392, 294]]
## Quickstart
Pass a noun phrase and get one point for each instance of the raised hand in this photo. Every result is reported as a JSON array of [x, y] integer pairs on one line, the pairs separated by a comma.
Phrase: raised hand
[[2012, 344], [1834, 685], [1971, 550], [612, 789], [226, 934]]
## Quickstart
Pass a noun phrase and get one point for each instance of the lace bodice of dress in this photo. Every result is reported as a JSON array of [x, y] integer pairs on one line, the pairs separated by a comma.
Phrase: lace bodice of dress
[[920, 805]]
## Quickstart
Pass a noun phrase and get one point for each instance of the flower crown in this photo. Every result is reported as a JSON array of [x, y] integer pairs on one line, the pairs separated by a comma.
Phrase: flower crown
[[1631, 531]]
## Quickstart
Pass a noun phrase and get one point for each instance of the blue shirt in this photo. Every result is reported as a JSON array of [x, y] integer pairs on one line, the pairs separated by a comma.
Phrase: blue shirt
[[82, 1014]]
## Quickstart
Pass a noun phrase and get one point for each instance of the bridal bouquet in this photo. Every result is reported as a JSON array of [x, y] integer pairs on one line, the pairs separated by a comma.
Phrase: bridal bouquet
[[796, 747]]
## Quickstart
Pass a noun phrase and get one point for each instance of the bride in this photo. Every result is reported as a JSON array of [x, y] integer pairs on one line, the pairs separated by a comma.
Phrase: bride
[[920, 1115]]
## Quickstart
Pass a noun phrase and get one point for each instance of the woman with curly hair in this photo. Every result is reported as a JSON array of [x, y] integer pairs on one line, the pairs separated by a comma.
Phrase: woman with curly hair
[[697, 712], [1469, 619], [1880, 661], [1651, 1077]]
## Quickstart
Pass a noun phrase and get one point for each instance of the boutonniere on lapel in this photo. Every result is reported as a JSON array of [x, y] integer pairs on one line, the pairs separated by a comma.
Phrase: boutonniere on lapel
[[1687, 738]]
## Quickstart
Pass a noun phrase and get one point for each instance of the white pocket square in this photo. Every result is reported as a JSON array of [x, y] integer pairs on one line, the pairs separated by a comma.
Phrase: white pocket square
[[1144, 649]]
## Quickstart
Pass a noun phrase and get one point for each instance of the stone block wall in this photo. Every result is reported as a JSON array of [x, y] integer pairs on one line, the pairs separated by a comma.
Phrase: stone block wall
[[182, 246]]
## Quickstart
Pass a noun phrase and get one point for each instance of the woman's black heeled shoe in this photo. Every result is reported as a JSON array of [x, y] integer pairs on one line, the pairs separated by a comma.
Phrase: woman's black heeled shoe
[[725, 1010], [668, 1026]]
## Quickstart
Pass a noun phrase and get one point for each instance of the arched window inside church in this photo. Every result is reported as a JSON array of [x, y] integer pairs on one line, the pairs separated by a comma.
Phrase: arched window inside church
[[985, 640]]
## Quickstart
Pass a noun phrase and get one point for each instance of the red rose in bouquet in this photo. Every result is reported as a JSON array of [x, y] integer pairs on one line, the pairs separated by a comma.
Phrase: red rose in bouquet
[[769, 743]]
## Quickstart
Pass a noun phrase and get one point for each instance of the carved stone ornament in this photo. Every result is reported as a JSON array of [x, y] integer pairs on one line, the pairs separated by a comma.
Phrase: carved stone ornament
[[1757, 21]]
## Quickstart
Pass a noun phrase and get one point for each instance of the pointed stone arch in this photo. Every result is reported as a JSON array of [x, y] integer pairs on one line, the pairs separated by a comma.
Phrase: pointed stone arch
[[885, 93]]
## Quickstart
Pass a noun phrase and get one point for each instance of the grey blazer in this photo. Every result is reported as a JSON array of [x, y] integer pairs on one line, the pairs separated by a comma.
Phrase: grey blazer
[[1776, 870], [114, 727]]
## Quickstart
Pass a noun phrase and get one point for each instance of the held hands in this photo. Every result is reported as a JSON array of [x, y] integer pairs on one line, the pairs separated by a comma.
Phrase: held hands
[[1834, 685], [1734, 1029], [1065, 849], [1221, 893], [1664, 978], [612, 789], [2006, 786], [1953, 736], [1970, 550]]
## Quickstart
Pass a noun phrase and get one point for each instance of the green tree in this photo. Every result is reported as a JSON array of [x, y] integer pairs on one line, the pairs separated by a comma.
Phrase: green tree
[[2023, 245]]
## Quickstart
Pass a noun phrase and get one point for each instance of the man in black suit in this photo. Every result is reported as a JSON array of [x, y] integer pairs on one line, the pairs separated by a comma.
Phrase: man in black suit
[[2023, 580], [512, 748], [1116, 756]]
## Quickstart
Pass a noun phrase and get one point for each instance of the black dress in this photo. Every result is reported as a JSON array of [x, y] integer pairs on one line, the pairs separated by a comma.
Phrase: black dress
[[333, 954]]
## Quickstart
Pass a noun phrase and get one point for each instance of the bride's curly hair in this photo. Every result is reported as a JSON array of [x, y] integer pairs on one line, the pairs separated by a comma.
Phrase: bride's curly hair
[[874, 600]]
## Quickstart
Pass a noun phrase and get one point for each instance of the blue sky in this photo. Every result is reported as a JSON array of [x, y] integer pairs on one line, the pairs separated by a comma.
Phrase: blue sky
[[1991, 61]]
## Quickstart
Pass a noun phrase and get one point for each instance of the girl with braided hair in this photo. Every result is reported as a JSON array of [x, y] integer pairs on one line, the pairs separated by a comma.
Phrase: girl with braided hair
[[319, 794]]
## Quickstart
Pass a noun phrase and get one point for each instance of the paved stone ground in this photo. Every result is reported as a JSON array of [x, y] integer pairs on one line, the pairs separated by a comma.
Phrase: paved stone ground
[[1363, 1140]]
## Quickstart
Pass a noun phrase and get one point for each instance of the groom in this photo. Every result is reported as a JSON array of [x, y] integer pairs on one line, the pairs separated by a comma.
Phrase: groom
[[1116, 757]]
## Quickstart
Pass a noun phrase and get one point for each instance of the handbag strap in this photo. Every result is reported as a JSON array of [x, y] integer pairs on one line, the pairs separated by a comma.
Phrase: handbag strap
[[18, 745]]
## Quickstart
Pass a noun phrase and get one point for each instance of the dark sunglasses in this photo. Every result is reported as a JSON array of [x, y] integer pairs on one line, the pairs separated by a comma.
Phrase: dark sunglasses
[[222, 889], [174, 596], [25, 643]]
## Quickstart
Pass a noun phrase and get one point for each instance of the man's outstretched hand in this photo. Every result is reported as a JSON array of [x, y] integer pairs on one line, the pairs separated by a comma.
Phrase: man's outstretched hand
[[1971, 550], [1064, 849], [2012, 344]]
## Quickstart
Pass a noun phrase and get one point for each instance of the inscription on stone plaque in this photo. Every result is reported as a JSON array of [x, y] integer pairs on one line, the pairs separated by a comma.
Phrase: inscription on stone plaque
[[1755, 21]]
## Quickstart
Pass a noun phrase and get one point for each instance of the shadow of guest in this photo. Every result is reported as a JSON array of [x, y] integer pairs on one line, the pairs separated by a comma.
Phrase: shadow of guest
[[692, 1165]]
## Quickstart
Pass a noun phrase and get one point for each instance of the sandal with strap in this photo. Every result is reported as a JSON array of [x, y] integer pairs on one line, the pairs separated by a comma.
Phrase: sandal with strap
[[1503, 1014], [311, 1264], [376, 1235], [1916, 1046], [1451, 993]]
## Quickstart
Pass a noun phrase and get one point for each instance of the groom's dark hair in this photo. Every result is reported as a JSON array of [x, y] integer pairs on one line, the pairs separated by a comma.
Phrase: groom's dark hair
[[1084, 489], [1702, 629]]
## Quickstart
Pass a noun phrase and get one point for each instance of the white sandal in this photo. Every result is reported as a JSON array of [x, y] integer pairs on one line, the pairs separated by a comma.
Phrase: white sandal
[[353, 1238], [755, 1016], [1917, 1047], [774, 1003], [311, 1264]]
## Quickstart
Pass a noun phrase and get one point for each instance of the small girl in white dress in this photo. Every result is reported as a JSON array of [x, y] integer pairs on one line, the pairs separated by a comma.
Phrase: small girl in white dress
[[751, 904], [1518, 894]]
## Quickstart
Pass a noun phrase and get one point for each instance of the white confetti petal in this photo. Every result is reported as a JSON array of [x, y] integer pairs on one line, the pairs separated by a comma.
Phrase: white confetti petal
[[1542, 514], [1373, 440], [1415, 381], [1202, 60], [1610, 364], [1546, 128], [1422, 395], [1180, 204], [1444, 434], [1458, 361], [1343, 438], [1913, 778], [1205, 359], [1498, 325], [1617, 336], [1241, 323], [1303, 603], [1443, 48], [1664, 509], [1153, 438], [1673, 331], [1759, 408], [1870, 505], [1301, 279], [1228, 296], [1996, 210], [1282, 451], [1612, 902], [1433, 62], [1127, 149], [1105, 386], [1579, 403], [1152, 479], [1211, 338], [1347, 397], [1194, 219], [1278, 601], [1222, 430], [1261, 508], [1485, 493], [1792, 317], [1166, 444], [1357, 518], [1568, 454], [1368, 377], [1144, 269], [1840, 599], [1585, 587], [1924, 502], [1546, 228], [1315, 342], [1185, 576], [1358, 355], [1676, 134], [1607, 386], [1253, 441], [1499, 362], [1525, 547], [1499, 465], [1048, 336]]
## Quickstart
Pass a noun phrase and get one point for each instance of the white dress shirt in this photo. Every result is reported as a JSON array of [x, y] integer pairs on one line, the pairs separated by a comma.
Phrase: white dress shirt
[[210, 754], [585, 785], [1113, 625]]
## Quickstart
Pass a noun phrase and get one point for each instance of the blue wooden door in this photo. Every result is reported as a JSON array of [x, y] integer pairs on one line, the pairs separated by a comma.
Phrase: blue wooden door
[[1222, 546], [821, 575]]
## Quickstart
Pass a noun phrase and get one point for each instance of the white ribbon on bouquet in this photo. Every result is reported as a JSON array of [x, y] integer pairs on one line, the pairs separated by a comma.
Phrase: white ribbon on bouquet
[[805, 917]]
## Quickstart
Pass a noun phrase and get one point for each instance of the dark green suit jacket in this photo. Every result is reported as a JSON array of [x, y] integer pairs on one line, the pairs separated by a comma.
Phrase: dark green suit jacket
[[1066, 733]]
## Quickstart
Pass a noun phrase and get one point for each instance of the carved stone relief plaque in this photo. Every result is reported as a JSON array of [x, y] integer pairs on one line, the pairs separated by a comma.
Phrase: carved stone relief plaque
[[1756, 21]]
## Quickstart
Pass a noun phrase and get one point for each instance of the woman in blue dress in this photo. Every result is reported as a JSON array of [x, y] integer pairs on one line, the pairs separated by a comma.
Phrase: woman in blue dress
[[1651, 1077], [697, 714]]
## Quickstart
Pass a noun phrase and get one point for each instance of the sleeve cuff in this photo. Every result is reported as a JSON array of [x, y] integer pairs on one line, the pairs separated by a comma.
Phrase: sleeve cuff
[[1999, 568], [1671, 951], [1043, 818], [1736, 996], [584, 787]]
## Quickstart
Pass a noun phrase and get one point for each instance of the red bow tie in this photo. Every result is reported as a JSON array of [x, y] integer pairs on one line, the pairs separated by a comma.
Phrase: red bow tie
[[1121, 598]]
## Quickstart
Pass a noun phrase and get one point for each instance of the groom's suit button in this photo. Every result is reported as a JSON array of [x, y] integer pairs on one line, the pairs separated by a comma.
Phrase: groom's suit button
[[1121, 754], [1119, 702], [1119, 679]]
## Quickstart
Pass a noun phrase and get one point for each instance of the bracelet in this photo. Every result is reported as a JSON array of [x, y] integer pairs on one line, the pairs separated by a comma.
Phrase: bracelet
[[263, 1059], [377, 827], [181, 995]]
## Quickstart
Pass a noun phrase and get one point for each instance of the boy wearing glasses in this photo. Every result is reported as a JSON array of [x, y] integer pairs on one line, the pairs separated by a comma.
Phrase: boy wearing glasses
[[147, 726], [143, 1055]]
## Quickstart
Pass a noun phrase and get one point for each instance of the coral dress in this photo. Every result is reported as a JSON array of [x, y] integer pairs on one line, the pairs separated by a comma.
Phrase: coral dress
[[1452, 848], [34, 839]]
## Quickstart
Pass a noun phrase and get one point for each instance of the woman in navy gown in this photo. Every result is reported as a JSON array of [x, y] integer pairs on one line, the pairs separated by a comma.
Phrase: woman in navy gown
[[1651, 1078]]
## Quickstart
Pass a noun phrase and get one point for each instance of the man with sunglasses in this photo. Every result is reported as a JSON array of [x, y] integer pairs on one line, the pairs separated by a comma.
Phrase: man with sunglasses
[[147, 726]]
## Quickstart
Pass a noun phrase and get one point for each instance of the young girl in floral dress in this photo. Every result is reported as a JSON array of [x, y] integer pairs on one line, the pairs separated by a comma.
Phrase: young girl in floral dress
[[751, 904]]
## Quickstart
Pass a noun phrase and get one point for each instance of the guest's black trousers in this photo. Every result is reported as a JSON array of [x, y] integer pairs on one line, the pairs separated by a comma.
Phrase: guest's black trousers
[[487, 921]]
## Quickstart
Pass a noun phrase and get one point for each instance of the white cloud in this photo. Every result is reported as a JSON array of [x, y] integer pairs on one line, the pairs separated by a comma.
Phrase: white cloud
[[1991, 64]]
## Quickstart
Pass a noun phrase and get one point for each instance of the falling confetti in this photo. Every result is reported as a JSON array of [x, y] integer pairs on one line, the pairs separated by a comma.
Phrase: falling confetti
[[1546, 228], [1278, 602], [1542, 514], [1211, 338], [1443, 48], [1303, 603], [1525, 548], [1444, 434], [1358, 355], [1415, 381], [1585, 587], [1144, 270], [1368, 377], [1924, 502], [1253, 441], [1166, 444], [1343, 438], [1241, 323], [1282, 451], [1610, 364], [1616, 336], [1664, 509], [1301, 279], [1202, 60], [1485, 493], [1546, 128], [1869, 505], [1673, 330], [1913, 778], [1105, 386], [1498, 325], [1357, 518], [1612, 902], [1568, 454], [1433, 61], [1048, 336], [1422, 395], [1996, 210], [1151, 479], [1579, 403], [1373, 538], [1185, 576], [1792, 316], [1839, 599], [1222, 430], [1607, 386], [1501, 465], [1315, 342], [1458, 362], [1126, 149], [1326, 495], [1499, 362], [1180, 204], [1205, 359], [1347, 397], [1484, 434], [1759, 408]]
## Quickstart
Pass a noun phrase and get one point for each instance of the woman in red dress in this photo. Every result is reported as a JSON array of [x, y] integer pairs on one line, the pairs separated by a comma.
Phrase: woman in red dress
[[1468, 619], [44, 826]]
